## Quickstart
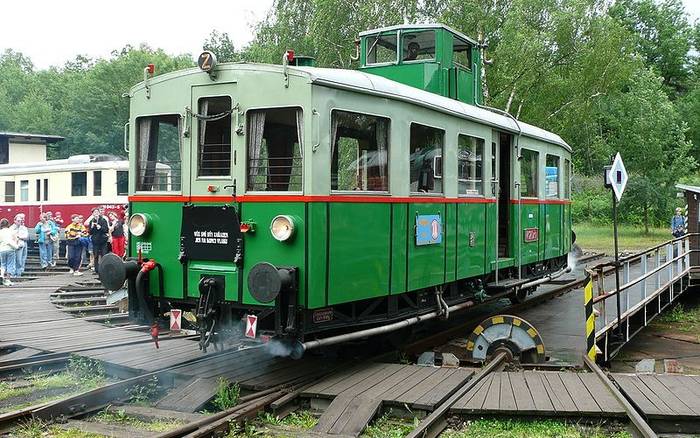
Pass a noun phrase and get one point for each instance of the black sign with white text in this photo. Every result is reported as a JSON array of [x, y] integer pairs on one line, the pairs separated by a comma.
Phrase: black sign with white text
[[211, 233]]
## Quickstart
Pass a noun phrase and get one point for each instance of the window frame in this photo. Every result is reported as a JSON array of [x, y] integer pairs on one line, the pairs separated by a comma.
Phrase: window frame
[[569, 170], [72, 183], [442, 153], [196, 162], [301, 147], [24, 196], [470, 45], [97, 188], [180, 128], [38, 189], [397, 33], [125, 193], [416, 61], [559, 176], [10, 197], [388, 155], [537, 175], [483, 173]]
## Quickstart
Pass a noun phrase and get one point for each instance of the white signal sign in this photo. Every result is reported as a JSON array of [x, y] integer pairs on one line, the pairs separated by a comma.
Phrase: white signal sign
[[251, 326], [175, 320], [617, 176]]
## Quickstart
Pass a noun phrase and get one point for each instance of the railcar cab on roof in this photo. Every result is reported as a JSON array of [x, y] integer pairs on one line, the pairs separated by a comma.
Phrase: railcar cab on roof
[[432, 57]]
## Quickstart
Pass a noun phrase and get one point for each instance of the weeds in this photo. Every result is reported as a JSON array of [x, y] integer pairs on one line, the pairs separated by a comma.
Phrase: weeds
[[145, 392], [7, 391], [227, 394], [533, 429], [86, 370], [122, 418], [387, 427]]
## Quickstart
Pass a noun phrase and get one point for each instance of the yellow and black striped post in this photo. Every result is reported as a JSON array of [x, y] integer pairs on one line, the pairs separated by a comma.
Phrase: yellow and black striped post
[[590, 319]]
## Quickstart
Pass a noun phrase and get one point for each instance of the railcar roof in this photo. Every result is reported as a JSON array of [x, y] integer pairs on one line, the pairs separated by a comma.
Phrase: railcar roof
[[418, 27], [47, 138], [75, 163], [363, 82]]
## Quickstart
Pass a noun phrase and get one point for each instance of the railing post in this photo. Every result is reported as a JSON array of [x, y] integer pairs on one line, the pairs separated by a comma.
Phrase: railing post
[[687, 253], [625, 280], [657, 276], [643, 262], [679, 262], [601, 291], [669, 257]]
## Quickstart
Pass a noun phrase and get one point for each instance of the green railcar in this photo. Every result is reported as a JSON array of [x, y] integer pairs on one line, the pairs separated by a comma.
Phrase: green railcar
[[323, 201]]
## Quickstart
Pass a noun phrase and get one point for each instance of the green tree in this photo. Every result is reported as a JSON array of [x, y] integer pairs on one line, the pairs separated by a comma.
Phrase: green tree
[[221, 45]]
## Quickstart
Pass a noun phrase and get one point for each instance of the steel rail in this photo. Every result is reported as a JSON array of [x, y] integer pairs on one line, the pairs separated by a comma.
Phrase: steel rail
[[642, 427], [432, 425]]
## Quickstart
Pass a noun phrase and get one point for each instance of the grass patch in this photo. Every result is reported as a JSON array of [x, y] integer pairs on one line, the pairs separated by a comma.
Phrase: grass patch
[[685, 319], [227, 394], [599, 238], [388, 427], [122, 418], [39, 429], [301, 420], [7, 391], [533, 429]]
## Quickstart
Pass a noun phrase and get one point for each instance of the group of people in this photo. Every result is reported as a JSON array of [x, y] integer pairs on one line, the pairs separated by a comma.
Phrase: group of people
[[86, 240]]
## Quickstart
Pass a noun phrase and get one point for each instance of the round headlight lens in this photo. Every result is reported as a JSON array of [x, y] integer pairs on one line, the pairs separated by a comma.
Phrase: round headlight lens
[[138, 224], [282, 227]]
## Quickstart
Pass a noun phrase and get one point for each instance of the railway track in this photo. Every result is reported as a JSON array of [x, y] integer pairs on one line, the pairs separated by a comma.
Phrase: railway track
[[248, 407]]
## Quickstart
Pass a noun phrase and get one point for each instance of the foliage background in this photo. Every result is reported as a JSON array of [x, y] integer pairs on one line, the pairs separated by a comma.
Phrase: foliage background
[[607, 75]]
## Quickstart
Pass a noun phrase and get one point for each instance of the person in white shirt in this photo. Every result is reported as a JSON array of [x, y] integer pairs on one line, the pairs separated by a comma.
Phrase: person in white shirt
[[8, 247], [23, 241]]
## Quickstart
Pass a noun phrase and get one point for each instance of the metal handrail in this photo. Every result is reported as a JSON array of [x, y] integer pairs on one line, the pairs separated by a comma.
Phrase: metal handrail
[[646, 251]]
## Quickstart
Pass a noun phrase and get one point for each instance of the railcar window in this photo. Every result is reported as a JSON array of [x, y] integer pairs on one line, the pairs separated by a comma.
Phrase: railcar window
[[159, 160], [38, 190], [494, 174], [462, 53], [381, 48], [567, 179], [46, 189], [24, 190], [528, 173], [9, 191], [275, 149], [551, 176], [214, 136], [78, 183], [4, 150], [426, 159], [97, 183], [418, 45], [359, 152], [122, 182], [469, 165]]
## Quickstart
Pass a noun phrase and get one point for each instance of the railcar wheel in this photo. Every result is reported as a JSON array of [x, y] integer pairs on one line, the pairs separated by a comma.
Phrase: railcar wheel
[[520, 295], [506, 333]]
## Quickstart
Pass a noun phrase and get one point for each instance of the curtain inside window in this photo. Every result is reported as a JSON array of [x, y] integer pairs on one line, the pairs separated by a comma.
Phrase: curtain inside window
[[382, 140], [148, 152], [204, 111], [300, 132], [256, 129]]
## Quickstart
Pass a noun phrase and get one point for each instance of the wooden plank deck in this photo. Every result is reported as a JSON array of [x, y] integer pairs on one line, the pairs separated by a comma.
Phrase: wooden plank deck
[[545, 393], [660, 396]]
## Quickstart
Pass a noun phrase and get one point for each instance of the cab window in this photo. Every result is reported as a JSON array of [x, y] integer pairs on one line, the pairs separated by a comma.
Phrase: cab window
[[462, 53], [381, 48], [528, 173], [214, 157], [158, 152], [426, 159], [275, 149], [469, 165], [551, 176], [418, 46], [359, 152]]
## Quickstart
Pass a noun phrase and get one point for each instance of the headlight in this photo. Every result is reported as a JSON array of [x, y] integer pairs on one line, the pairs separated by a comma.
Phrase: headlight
[[282, 227], [138, 224]]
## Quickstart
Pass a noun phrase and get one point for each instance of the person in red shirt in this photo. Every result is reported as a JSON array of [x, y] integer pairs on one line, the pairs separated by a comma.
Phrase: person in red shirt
[[116, 230]]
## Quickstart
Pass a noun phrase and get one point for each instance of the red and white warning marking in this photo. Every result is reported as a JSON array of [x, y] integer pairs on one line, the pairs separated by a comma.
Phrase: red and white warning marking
[[175, 320], [251, 326]]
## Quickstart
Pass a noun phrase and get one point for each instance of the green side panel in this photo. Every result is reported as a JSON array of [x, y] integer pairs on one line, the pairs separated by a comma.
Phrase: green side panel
[[424, 75], [471, 230], [530, 218], [359, 251], [566, 233], [553, 230], [260, 246], [400, 237], [166, 220], [226, 270], [426, 263], [317, 226], [450, 236]]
